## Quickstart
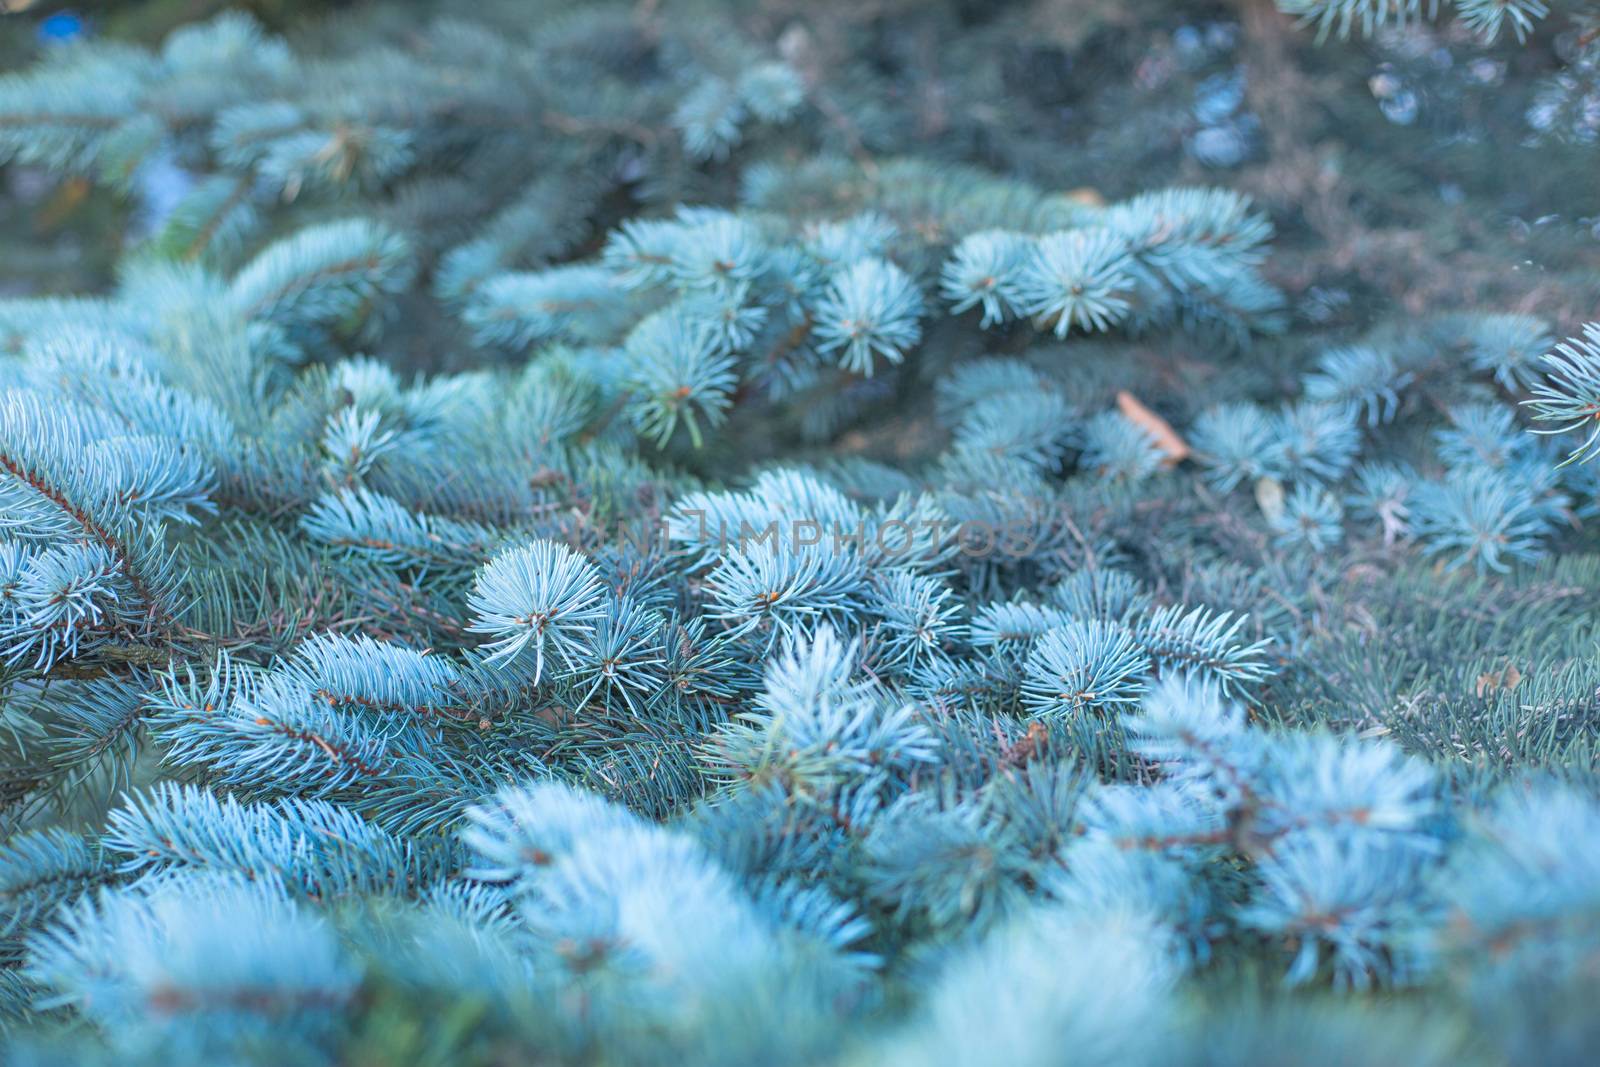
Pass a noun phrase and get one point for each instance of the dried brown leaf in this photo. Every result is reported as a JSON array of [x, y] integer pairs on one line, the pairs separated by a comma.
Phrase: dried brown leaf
[[1167, 439]]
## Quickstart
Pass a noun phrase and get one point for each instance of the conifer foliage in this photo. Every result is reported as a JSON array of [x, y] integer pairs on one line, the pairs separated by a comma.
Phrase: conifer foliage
[[1207, 685]]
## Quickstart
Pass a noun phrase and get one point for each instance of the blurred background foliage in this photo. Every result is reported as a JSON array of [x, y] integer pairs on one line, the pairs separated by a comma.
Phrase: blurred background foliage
[[1405, 172]]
